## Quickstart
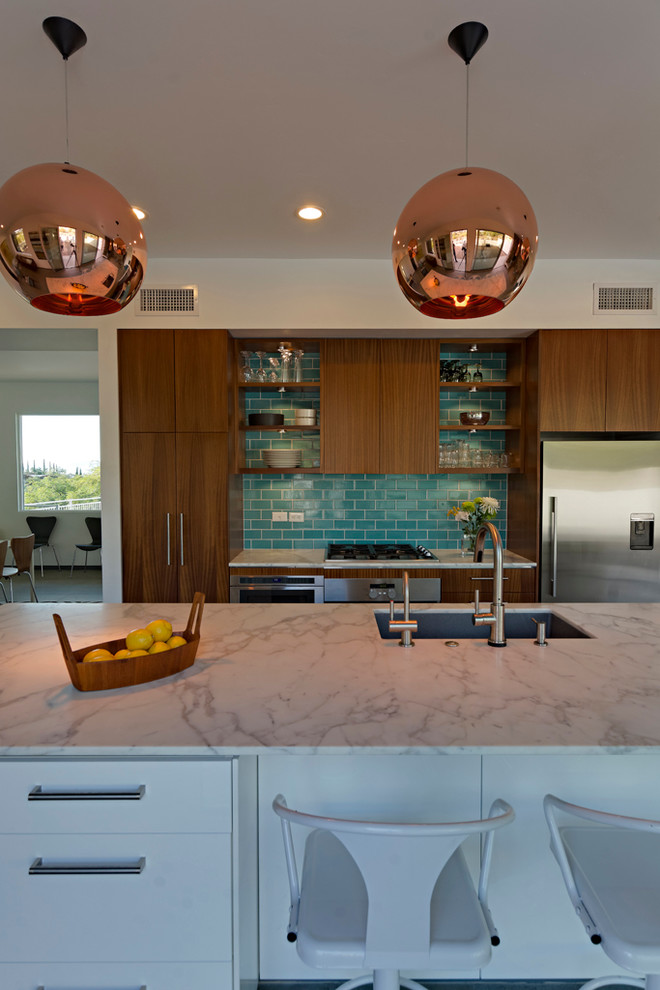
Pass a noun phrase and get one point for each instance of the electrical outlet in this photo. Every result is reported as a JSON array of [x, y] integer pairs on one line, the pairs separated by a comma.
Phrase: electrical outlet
[[279, 516], [296, 517]]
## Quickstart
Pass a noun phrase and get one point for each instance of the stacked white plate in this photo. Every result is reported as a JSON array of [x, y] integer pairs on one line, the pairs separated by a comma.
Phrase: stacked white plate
[[305, 417], [282, 458]]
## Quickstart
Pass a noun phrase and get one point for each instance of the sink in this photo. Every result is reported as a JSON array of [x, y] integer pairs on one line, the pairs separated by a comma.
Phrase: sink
[[458, 625]]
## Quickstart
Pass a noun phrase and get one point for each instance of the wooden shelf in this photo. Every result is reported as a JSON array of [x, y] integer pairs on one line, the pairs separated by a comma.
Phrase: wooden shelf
[[293, 470], [281, 429], [277, 386], [476, 470], [477, 429], [490, 386]]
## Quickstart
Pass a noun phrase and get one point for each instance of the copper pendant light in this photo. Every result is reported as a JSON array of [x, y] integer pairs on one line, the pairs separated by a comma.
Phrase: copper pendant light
[[466, 242], [69, 242]]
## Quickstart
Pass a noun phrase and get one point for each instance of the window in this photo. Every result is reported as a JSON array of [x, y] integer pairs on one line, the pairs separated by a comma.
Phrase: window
[[60, 459]]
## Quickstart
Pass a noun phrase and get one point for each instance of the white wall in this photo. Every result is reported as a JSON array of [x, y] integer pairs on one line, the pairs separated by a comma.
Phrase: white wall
[[321, 297], [39, 398]]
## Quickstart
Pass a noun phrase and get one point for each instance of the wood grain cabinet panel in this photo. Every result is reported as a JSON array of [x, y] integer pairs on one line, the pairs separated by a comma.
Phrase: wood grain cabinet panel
[[350, 406], [410, 376], [201, 482], [633, 380], [572, 382], [459, 584], [200, 380]]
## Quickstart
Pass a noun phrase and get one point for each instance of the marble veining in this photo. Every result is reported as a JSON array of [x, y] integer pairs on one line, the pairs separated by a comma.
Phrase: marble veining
[[310, 678], [316, 558]]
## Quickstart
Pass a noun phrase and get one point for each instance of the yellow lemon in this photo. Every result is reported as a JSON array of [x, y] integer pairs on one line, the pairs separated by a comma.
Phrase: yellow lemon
[[98, 654], [122, 654], [138, 653], [160, 629], [139, 639], [176, 641], [159, 648]]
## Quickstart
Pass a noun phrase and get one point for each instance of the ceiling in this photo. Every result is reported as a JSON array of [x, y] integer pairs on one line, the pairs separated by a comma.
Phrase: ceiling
[[221, 117]]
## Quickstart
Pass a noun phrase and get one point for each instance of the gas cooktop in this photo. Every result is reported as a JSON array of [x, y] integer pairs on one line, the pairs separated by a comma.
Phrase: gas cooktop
[[378, 551]]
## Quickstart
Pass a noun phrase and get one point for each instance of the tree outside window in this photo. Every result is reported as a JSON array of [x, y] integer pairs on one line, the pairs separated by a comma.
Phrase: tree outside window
[[61, 466]]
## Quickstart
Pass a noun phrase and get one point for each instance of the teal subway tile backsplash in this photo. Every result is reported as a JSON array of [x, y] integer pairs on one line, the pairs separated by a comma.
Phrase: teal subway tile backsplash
[[365, 508]]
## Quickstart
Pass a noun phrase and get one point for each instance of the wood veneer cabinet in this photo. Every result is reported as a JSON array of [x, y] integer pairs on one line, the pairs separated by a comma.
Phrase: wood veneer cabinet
[[459, 584], [173, 399], [379, 406], [173, 380], [599, 380], [174, 512]]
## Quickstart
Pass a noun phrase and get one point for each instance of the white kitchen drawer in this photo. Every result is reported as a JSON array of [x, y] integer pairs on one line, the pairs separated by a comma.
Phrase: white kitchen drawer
[[116, 976], [115, 796], [178, 908]]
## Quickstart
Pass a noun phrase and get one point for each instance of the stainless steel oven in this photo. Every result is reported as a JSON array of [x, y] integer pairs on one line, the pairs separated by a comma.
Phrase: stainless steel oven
[[271, 588]]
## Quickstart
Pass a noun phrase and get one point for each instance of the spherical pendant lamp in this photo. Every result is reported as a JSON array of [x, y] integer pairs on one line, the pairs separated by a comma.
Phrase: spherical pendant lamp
[[466, 242], [69, 242]]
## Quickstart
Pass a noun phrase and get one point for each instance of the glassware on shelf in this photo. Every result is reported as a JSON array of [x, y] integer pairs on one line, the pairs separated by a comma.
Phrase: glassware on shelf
[[286, 354], [297, 365], [262, 374], [274, 364], [477, 376], [246, 372]]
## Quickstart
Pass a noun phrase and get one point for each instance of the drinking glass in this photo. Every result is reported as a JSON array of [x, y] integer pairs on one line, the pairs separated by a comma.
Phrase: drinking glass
[[262, 374], [297, 365], [275, 364], [246, 373]]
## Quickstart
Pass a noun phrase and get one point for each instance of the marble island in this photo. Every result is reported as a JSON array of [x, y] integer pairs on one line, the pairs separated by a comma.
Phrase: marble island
[[318, 678], [316, 558]]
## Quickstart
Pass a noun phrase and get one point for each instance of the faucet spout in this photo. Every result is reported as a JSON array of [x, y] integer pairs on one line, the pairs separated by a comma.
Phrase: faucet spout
[[494, 618]]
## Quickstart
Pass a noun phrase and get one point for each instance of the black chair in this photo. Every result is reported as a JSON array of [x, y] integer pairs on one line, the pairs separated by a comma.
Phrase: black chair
[[93, 524], [42, 527]]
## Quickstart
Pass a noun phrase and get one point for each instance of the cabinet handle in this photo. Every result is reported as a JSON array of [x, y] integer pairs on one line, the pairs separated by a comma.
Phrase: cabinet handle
[[181, 535], [489, 578], [37, 794], [553, 541], [168, 538], [40, 869], [42, 987]]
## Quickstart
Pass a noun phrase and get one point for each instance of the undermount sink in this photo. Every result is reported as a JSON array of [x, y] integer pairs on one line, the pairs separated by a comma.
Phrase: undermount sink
[[451, 624]]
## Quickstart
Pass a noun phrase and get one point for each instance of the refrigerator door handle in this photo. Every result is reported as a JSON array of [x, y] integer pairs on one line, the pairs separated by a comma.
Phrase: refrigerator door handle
[[553, 546]]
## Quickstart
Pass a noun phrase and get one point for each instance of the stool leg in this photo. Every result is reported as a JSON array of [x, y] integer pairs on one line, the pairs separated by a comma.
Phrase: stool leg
[[73, 560], [386, 979]]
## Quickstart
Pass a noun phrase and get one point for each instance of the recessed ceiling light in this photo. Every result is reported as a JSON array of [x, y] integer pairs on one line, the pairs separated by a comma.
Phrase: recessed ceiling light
[[310, 213], [139, 213]]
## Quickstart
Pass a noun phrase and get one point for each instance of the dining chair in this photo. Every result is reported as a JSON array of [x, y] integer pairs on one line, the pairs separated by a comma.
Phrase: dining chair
[[93, 524], [22, 548], [611, 868], [42, 527], [387, 896], [4, 546]]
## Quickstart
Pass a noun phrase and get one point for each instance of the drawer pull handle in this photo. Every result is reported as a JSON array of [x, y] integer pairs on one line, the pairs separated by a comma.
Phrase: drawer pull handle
[[489, 578], [42, 987], [37, 794], [39, 868]]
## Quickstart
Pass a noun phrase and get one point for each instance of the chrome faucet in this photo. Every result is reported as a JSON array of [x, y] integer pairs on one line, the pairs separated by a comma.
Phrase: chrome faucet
[[494, 618], [405, 626]]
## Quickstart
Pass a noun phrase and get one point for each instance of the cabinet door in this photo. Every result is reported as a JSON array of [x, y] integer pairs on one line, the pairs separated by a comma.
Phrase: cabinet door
[[200, 383], [148, 487], [146, 380], [459, 584], [201, 482], [350, 406], [572, 380], [633, 373], [410, 377]]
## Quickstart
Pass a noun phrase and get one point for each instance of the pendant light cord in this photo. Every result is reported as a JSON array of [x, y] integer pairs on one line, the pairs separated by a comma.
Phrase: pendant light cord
[[467, 110], [66, 109]]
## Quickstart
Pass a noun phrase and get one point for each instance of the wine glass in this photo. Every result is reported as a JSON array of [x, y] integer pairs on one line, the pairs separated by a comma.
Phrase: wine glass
[[261, 375], [274, 363], [246, 373]]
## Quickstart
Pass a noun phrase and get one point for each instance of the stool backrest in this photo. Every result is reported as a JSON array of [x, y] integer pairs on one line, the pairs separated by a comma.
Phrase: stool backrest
[[41, 526], [4, 546], [94, 526], [400, 863]]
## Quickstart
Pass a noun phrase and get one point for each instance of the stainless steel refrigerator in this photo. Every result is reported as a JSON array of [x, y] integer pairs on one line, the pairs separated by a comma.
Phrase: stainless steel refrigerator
[[600, 502]]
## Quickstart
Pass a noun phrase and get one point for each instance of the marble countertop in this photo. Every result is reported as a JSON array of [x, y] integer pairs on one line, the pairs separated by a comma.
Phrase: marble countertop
[[318, 678], [316, 558]]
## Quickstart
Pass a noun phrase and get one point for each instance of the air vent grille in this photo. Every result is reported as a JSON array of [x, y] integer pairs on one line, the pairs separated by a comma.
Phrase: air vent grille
[[170, 300], [624, 299]]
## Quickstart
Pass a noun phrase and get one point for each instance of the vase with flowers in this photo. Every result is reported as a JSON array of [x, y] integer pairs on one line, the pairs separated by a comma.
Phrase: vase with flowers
[[473, 513]]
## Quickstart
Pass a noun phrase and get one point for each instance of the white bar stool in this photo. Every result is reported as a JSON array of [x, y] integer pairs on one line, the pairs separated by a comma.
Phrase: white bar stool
[[611, 869], [386, 896]]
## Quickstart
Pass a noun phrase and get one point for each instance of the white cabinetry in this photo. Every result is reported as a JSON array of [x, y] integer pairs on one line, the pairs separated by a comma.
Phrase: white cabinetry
[[120, 873], [434, 787]]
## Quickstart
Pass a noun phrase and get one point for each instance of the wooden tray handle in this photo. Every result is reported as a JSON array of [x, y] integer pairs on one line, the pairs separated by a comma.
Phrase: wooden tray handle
[[63, 638], [195, 617]]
